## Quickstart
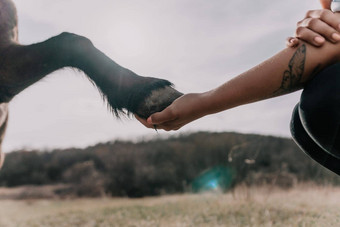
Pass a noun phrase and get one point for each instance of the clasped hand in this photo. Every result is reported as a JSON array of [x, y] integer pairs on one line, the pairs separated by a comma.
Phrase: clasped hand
[[182, 111], [317, 28]]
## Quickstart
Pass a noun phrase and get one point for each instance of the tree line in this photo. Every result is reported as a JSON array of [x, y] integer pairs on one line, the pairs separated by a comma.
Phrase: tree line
[[184, 163]]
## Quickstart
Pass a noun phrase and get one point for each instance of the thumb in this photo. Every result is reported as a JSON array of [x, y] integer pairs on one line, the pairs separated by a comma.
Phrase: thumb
[[161, 117], [326, 4]]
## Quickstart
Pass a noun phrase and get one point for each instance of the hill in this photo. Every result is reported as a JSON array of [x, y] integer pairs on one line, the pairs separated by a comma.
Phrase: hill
[[193, 162]]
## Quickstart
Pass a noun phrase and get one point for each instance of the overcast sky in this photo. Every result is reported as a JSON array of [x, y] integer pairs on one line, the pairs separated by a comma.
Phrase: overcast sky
[[196, 44]]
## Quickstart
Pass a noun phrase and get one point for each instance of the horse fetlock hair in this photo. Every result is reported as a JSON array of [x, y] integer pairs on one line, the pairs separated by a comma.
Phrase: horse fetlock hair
[[23, 65]]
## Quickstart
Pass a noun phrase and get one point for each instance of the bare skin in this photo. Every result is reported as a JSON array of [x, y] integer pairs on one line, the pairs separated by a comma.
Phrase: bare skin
[[286, 72], [281, 74], [317, 27]]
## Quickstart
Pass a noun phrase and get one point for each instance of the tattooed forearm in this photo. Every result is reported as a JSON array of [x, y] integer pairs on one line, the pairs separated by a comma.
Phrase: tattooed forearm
[[291, 79]]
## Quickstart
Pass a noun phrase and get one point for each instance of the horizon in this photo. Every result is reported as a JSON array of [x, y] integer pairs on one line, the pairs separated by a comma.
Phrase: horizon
[[197, 45], [163, 137]]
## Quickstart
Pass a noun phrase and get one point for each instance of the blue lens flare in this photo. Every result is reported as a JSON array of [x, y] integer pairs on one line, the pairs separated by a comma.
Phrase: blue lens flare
[[213, 184], [216, 178]]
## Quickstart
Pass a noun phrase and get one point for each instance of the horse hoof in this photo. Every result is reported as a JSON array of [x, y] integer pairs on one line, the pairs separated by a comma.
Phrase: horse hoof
[[157, 101]]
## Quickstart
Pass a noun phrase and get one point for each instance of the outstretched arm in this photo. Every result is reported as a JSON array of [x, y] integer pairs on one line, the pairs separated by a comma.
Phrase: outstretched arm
[[283, 73]]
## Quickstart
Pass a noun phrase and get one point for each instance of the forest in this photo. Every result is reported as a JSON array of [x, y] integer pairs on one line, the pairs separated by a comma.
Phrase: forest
[[186, 163]]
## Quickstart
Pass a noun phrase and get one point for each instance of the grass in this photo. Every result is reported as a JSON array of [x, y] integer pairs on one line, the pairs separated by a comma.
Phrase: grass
[[304, 205]]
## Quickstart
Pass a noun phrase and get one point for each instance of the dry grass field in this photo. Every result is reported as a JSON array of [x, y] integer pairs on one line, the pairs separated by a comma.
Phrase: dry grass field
[[305, 205]]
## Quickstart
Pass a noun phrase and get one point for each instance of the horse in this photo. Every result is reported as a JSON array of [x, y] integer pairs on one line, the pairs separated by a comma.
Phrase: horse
[[124, 91]]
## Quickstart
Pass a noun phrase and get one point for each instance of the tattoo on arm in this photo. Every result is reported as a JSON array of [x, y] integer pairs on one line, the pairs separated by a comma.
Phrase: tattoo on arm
[[291, 79]]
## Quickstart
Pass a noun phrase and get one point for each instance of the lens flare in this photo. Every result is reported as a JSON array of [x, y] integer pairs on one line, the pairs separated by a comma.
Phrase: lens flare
[[218, 178]]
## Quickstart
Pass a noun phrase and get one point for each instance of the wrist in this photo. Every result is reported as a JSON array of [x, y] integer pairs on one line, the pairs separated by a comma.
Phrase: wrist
[[209, 103]]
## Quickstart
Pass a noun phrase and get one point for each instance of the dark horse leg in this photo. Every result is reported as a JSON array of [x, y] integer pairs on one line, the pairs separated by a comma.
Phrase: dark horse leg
[[22, 66]]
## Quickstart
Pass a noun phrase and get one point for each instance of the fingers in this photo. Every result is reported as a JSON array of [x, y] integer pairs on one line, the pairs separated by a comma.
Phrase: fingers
[[167, 126], [292, 42], [143, 122], [170, 126], [161, 117], [325, 15], [310, 36], [318, 26], [326, 27], [166, 120]]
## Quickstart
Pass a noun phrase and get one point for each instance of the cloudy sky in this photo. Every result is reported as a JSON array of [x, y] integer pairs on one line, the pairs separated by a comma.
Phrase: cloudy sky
[[196, 44]]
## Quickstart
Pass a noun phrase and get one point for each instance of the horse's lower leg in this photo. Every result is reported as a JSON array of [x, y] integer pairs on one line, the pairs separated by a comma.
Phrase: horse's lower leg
[[21, 66]]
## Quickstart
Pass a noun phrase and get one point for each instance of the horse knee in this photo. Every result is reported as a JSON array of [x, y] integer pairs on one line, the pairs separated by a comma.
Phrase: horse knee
[[74, 45], [75, 39]]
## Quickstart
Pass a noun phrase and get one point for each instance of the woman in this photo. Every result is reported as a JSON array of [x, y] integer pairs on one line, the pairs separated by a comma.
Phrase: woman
[[315, 124], [287, 71]]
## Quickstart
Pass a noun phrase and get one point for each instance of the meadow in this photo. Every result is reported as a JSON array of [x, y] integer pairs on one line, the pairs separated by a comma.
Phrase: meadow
[[303, 205]]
